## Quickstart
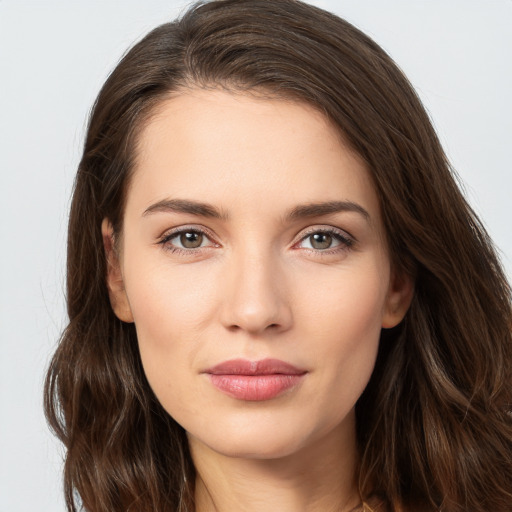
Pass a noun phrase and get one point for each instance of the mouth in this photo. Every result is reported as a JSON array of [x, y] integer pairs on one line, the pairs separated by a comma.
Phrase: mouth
[[255, 380]]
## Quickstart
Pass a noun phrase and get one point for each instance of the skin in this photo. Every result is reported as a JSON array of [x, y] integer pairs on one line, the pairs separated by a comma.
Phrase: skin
[[257, 286]]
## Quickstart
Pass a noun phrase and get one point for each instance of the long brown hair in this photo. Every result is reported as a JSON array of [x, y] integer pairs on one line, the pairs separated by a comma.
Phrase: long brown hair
[[434, 424]]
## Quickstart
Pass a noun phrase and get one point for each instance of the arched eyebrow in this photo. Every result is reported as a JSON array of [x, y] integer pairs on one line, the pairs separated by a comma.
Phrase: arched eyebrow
[[298, 212], [186, 206], [325, 208]]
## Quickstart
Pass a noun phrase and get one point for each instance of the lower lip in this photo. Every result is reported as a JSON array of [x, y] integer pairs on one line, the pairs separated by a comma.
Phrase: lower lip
[[255, 387]]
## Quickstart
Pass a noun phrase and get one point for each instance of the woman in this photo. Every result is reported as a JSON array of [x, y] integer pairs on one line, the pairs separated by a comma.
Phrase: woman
[[278, 297]]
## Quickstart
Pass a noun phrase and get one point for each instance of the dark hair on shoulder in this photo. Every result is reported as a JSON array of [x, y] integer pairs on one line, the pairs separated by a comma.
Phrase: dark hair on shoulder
[[434, 424]]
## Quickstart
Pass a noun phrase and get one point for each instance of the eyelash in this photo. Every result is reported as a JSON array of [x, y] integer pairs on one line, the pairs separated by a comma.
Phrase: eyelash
[[165, 240], [346, 241]]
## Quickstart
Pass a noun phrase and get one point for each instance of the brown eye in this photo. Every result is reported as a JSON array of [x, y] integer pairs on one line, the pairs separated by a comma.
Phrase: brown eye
[[320, 241], [191, 239]]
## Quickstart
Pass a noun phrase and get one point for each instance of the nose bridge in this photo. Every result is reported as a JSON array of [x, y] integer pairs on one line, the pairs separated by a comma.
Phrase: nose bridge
[[255, 294]]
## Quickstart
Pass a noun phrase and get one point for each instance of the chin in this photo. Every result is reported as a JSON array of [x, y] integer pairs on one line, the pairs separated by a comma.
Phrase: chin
[[256, 448], [260, 441], [267, 437]]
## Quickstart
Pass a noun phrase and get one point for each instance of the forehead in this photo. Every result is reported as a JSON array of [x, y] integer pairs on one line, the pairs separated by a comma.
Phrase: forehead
[[236, 149]]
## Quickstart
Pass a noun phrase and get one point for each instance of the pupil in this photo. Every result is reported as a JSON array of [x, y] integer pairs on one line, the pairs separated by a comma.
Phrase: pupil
[[191, 240], [321, 241]]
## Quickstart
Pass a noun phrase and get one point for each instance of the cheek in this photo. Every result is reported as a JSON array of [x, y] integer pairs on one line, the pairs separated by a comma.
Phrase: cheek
[[171, 311], [346, 303], [344, 318], [168, 301], [169, 341]]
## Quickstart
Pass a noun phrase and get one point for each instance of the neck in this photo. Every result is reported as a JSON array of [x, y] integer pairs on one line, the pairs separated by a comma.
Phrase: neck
[[319, 477]]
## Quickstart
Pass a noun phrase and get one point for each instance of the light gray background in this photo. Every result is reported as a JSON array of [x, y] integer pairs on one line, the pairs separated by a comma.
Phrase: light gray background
[[54, 56]]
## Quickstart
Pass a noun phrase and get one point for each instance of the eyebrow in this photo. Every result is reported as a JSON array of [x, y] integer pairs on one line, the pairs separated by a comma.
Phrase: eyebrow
[[326, 208], [298, 212], [186, 206]]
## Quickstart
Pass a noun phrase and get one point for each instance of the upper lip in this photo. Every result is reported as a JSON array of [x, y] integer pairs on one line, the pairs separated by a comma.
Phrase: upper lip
[[261, 367]]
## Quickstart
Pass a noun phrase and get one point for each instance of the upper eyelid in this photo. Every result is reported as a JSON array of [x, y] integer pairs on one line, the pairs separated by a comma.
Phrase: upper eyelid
[[169, 234], [183, 229]]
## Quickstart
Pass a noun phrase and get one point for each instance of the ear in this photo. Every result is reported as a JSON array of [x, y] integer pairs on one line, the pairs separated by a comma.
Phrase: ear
[[398, 300], [115, 283]]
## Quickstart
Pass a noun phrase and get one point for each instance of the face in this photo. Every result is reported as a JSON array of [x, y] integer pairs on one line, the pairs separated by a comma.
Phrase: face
[[254, 265]]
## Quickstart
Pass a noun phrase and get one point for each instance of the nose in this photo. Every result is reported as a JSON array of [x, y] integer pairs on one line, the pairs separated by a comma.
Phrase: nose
[[255, 298]]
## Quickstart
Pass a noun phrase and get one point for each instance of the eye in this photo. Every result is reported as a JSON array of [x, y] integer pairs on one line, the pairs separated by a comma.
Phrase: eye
[[320, 241], [190, 239], [186, 239], [325, 240]]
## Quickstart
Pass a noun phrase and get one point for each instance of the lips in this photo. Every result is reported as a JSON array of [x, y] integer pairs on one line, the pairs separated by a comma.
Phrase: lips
[[255, 380]]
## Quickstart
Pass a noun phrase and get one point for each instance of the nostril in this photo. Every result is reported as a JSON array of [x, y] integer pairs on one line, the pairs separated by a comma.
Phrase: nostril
[[270, 327]]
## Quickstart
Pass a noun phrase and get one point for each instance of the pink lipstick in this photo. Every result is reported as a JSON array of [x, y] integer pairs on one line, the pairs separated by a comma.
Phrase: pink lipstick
[[254, 380]]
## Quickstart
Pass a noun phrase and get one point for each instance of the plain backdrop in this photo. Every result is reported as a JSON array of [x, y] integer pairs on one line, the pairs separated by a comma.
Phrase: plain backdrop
[[54, 56]]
